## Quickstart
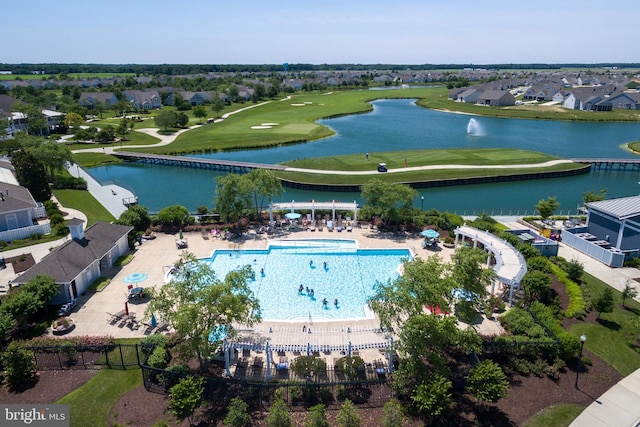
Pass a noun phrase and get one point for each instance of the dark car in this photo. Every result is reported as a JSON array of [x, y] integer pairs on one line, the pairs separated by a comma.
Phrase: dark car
[[382, 167]]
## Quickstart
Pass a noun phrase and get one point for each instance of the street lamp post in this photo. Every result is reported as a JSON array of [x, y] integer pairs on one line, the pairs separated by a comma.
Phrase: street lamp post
[[583, 338], [421, 203]]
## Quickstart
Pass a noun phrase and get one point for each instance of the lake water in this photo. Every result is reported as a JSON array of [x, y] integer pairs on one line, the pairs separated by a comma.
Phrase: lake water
[[401, 125]]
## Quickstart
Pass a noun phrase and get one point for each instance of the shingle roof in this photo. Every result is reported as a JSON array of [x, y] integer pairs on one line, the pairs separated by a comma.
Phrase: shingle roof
[[622, 208], [67, 261], [15, 198]]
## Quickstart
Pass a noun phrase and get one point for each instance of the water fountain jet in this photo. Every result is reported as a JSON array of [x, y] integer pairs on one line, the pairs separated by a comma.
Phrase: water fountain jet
[[475, 128]]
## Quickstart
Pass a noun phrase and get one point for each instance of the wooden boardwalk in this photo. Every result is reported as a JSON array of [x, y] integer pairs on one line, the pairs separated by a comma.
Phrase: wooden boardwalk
[[609, 163], [191, 162]]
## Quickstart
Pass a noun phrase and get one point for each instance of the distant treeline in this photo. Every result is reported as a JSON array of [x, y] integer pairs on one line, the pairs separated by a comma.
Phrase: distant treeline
[[188, 69]]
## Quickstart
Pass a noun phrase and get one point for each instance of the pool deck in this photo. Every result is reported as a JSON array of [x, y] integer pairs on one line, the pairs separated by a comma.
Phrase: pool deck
[[92, 314]]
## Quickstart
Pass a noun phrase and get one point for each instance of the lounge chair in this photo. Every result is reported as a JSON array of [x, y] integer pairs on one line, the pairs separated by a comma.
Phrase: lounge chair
[[329, 226], [349, 227], [320, 226], [312, 226]]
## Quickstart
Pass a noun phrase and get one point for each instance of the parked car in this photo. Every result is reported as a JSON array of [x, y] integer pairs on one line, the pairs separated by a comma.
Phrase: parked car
[[382, 167], [66, 308]]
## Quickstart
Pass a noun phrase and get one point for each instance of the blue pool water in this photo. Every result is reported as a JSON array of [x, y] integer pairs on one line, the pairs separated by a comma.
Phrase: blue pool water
[[350, 276]]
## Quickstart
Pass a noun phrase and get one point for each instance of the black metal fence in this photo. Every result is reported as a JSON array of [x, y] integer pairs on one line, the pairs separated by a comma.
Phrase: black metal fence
[[114, 356], [365, 388]]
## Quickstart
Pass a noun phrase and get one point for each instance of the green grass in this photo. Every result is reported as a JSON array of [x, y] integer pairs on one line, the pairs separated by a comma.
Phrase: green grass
[[397, 159], [92, 404], [608, 337], [83, 201], [556, 416], [414, 176]]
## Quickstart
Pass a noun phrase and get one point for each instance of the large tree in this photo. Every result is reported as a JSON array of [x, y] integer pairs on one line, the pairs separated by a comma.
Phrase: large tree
[[200, 112], [232, 196], [386, 200], [165, 119], [197, 303], [264, 185], [31, 174]]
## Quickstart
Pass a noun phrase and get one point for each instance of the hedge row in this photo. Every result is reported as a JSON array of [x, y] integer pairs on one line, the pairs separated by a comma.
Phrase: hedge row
[[577, 307]]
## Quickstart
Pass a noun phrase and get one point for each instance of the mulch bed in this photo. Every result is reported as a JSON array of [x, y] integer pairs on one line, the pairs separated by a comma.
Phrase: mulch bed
[[21, 262]]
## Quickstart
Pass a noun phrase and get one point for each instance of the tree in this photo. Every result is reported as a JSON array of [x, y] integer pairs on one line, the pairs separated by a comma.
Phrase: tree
[[232, 196], [389, 201], [278, 415], [19, 365], [73, 120], [123, 129], [200, 112], [547, 207], [263, 185], [233, 92], [591, 196], [628, 292], [487, 382], [54, 156], [182, 120], [392, 415], [574, 269], [317, 417], [31, 174], [165, 119], [216, 104], [29, 299], [137, 217], [604, 303], [349, 416], [175, 216], [186, 396], [217, 306], [237, 414], [536, 284]]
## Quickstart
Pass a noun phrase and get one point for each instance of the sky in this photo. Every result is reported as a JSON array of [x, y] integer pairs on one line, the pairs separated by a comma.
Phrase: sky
[[321, 32]]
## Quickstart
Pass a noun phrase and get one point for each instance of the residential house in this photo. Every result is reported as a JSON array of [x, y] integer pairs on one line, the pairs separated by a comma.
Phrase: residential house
[[496, 98], [143, 99], [77, 263], [19, 212], [91, 99], [470, 95]]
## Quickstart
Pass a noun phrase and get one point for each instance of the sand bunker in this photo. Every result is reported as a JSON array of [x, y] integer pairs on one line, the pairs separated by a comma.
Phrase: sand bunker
[[297, 105], [261, 127], [269, 124]]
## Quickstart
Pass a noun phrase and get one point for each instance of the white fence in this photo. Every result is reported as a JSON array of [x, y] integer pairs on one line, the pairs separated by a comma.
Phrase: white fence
[[24, 232]]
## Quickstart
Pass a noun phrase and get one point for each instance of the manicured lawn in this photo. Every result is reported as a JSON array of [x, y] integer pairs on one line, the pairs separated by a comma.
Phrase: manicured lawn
[[397, 159], [608, 337], [556, 416], [426, 175], [92, 403], [84, 202]]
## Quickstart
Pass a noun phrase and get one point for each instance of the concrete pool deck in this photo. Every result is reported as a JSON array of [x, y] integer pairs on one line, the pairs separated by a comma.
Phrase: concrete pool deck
[[154, 256]]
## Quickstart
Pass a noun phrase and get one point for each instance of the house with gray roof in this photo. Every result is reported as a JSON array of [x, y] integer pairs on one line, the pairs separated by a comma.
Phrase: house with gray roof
[[91, 99], [75, 264], [19, 212], [496, 98], [612, 231]]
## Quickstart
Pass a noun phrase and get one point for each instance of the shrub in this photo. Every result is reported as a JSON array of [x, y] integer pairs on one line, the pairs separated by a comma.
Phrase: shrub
[[317, 417], [576, 300], [237, 414], [279, 415], [150, 342], [159, 358], [19, 365]]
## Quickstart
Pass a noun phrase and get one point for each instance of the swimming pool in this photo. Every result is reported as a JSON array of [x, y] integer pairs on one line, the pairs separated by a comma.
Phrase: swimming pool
[[349, 276]]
